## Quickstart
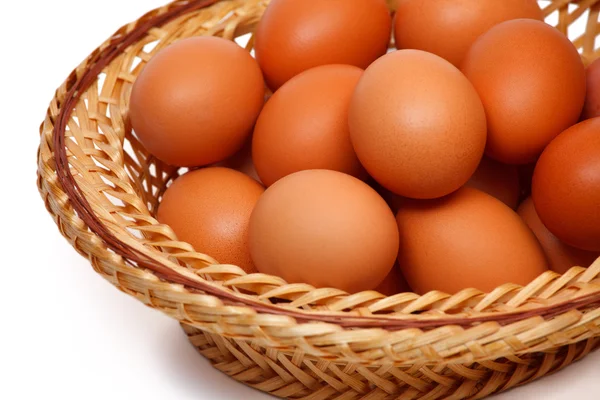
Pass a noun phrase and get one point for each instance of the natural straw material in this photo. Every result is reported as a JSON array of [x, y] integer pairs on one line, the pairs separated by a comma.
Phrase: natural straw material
[[292, 340]]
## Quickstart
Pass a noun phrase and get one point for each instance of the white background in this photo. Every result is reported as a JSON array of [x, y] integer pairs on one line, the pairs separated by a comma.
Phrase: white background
[[64, 331]]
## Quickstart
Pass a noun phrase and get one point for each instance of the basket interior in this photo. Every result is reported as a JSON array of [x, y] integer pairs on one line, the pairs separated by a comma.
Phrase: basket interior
[[126, 183]]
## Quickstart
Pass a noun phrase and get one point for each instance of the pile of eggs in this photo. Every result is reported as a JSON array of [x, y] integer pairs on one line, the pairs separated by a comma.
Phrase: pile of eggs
[[467, 158]]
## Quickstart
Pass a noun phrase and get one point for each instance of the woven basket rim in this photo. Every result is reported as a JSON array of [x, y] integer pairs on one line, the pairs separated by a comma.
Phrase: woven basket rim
[[585, 298]]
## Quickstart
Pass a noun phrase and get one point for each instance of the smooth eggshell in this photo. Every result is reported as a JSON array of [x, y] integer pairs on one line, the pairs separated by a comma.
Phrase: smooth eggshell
[[591, 109], [531, 80], [566, 186], [468, 239], [324, 228], [294, 36], [304, 125], [196, 101], [417, 124], [498, 180], [210, 208], [561, 257], [448, 28]]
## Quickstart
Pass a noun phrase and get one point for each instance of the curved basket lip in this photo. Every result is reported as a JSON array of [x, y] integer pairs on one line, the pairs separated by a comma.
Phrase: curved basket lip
[[77, 83]]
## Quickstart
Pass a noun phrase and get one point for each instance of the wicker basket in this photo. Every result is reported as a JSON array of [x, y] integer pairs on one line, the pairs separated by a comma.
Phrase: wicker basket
[[291, 340]]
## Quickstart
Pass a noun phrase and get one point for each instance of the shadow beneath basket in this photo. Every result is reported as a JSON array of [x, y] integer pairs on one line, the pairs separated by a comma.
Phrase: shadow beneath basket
[[193, 374]]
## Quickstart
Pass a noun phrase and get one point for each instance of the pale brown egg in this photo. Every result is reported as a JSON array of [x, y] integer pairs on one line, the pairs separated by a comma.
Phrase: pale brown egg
[[448, 28], [561, 257], [324, 228], [210, 208], [294, 36], [196, 101], [305, 125], [531, 80], [468, 239], [417, 124], [498, 180], [566, 186]]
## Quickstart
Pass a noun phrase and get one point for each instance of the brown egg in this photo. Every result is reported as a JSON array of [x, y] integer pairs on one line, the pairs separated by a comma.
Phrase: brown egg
[[305, 125], [591, 109], [210, 209], [417, 125], [394, 283], [294, 36], [532, 83], [566, 186], [196, 101], [324, 228], [561, 256], [498, 180], [468, 239], [448, 28]]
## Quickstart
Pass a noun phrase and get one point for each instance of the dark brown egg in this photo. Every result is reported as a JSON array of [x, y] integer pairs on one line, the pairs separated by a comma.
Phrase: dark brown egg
[[294, 36], [531, 80], [561, 257], [196, 101], [468, 239], [305, 125], [210, 208], [566, 186], [417, 124], [448, 28], [498, 180], [324, 228]]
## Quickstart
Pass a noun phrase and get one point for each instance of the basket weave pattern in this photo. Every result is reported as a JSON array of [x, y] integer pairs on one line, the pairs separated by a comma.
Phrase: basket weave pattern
[[102, 189]]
